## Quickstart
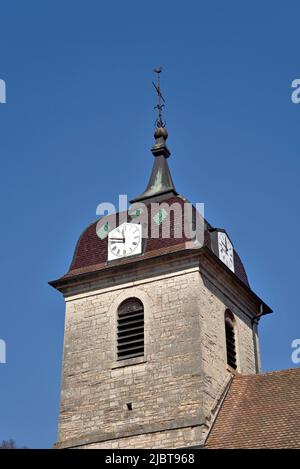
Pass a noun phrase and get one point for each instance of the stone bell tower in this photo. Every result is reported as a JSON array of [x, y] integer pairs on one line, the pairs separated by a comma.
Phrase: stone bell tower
[[154, 336]]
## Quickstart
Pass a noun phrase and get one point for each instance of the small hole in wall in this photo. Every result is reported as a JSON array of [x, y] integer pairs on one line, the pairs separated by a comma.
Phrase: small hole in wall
[[129, 405]]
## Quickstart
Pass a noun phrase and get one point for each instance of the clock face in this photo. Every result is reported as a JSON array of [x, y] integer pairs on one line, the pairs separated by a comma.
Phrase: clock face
[[124, 241], [225, 250]]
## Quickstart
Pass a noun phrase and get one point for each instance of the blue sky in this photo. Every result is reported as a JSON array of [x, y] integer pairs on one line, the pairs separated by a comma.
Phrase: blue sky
[[77, 130]]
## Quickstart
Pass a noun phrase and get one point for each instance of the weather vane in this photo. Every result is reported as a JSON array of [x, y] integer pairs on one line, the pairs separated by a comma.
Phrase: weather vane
[[159, 122]]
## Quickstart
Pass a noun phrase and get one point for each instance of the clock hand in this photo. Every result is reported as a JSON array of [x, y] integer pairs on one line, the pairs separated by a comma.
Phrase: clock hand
[[224, 245]]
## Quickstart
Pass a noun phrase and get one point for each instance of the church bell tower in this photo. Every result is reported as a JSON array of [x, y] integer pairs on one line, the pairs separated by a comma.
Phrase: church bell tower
[[157, 322]]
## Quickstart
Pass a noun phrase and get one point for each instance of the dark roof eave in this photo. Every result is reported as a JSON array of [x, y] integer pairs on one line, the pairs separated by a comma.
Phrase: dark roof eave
[[64, 282], [146, 197]]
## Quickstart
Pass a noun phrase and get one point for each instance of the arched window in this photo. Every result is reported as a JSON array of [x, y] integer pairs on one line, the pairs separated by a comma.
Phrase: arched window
[[230, 339], [130, 329]]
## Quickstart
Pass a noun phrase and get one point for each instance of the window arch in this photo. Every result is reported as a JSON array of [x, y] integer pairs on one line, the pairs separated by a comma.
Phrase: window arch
[[130, 329], [230, 339]]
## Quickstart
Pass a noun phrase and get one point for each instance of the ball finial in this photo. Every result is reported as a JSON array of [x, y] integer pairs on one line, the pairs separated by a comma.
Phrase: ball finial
[[161, 132]]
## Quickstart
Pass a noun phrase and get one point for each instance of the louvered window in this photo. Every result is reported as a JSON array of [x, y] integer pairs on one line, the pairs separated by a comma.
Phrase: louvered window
[[130, 329], [230, 340]]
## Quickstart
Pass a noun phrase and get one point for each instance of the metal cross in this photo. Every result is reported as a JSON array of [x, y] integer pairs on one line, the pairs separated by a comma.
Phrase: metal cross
[[160, 99]]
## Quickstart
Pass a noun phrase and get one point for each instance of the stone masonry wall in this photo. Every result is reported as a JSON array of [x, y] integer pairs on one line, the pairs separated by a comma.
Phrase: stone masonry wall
[[214, 300], [173, 389], [181, 438], [165, 390]]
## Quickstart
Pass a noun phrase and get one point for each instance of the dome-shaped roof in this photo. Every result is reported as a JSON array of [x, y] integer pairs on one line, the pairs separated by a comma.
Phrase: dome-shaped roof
[[91, 249]]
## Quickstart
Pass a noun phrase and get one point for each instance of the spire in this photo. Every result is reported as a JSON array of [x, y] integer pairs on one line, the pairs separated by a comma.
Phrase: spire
[[160, 183]]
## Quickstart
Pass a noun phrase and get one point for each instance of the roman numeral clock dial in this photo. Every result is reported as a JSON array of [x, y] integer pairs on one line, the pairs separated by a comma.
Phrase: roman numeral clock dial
[[124, 241]]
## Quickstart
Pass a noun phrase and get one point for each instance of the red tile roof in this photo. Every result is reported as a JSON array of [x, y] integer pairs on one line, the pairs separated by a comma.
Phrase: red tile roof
[[259, 411]]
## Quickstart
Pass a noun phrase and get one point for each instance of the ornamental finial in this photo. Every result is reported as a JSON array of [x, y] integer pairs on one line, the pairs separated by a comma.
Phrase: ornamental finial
[[159, 122]]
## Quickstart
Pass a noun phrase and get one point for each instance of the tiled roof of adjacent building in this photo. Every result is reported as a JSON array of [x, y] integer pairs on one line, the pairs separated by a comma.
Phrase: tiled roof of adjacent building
[[259, 411], [91, 251]]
